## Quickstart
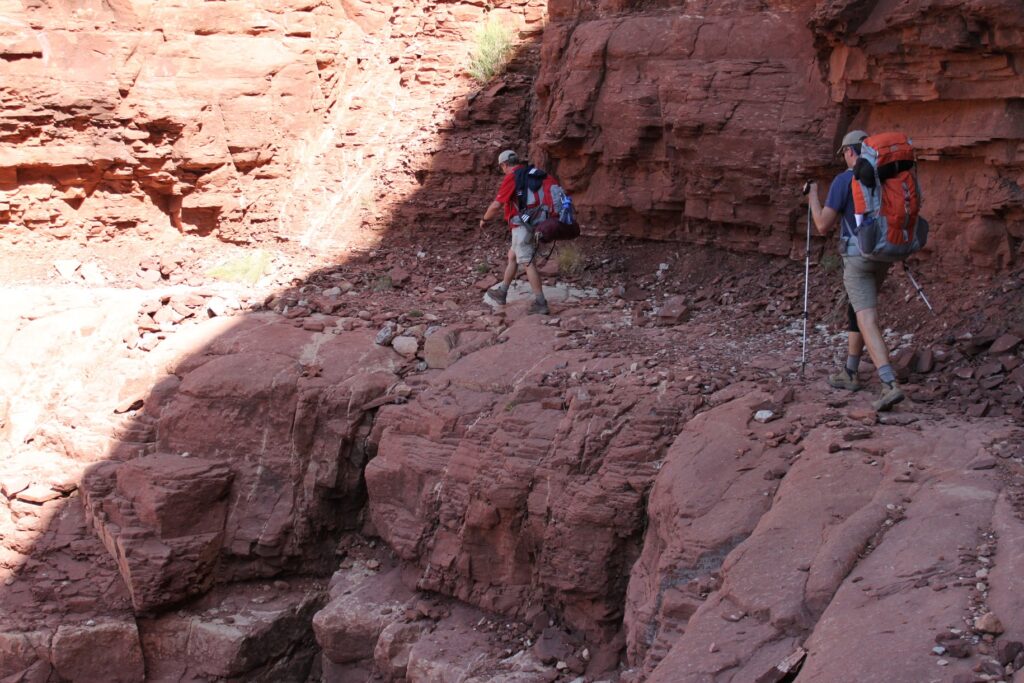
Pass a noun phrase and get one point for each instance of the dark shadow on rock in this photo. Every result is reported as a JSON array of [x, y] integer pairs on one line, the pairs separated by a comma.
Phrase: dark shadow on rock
[[232, 485]]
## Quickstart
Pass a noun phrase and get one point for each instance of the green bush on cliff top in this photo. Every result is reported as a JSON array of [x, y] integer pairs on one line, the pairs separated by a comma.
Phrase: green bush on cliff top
[[491, 50]]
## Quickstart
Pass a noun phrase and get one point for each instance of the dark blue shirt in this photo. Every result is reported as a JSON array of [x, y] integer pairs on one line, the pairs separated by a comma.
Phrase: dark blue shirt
[[840, 200]]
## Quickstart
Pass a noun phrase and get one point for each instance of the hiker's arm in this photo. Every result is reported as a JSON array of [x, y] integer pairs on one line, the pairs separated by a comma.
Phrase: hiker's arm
[[492, 212], [824, 218]]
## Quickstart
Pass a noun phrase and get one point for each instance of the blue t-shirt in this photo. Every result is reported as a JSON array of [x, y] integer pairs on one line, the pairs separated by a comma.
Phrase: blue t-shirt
[[840, 200]]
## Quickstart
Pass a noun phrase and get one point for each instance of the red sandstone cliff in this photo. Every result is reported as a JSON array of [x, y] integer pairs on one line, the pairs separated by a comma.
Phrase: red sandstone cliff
[[696, 121], [312, 122], [303, 122]]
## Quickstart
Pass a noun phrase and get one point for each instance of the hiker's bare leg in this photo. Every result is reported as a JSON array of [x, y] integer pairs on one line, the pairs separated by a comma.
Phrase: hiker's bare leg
[[867, 321], [855, 344], [511, 269], [534, 277]]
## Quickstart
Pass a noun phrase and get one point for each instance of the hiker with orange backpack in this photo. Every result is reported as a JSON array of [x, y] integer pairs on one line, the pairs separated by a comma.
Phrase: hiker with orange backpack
[[523, 209], [865, 261]]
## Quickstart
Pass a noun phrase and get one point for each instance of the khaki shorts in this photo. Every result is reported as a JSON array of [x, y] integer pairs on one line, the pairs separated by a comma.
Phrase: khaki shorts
[[863, 278], [523, 244]]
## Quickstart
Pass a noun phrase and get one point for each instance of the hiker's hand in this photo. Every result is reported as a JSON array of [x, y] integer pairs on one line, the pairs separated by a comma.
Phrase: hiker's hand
[[810, 186], [482, 222]]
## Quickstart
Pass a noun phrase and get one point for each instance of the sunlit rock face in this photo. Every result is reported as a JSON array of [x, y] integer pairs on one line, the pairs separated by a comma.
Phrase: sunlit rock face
[[284, 120], [699, 121]]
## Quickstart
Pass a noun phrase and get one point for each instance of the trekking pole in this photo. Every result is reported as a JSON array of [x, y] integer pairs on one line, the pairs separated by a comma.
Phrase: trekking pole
[[910, 274], [807, 277]]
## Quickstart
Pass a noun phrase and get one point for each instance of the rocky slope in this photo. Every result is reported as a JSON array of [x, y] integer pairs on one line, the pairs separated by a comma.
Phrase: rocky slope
[[357, 469], [506, 497]]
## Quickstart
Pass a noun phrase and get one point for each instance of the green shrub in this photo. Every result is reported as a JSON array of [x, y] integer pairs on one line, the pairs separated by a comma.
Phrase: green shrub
[[246, 269], [491, 50]]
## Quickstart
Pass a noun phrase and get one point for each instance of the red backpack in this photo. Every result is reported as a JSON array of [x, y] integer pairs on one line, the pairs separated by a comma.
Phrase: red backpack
[[887, 199], [543, 205]]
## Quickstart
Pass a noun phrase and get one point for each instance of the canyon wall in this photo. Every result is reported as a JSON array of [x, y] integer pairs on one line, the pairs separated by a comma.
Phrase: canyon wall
[[308, 122], [525, 469], [325, 123], [698, 121]]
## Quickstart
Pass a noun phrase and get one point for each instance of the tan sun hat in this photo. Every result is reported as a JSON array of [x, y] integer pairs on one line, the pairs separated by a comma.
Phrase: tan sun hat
[[854, 137]]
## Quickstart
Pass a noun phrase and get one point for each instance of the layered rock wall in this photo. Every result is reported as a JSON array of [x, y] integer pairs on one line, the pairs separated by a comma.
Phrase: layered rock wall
[[323, 123], [698, 121], [688, 123], [299, 121], [949, 74]]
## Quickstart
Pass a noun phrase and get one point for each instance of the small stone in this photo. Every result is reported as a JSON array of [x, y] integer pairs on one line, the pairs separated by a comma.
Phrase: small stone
[[939, 650], [979, 409], [991, 667], [1005, 344], [373, 564], [407, 346], [982, 462], [989, 623], [38, 494], [1008, 650], [385, 334], [764, 416], [857, 434], [958, 649], [13, 485], [942, 662]]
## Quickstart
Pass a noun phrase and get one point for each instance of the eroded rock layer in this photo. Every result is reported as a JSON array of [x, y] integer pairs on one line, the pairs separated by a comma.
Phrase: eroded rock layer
[[300, 121], [699, 120]]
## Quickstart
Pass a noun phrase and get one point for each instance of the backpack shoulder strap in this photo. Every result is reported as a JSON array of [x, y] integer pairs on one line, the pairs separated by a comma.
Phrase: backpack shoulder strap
[[519, 196]]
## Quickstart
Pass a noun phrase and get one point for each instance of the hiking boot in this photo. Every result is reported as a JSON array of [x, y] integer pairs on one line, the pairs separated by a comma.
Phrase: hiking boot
[[891, 395], [498, 295], [844, 380], [538, 307]]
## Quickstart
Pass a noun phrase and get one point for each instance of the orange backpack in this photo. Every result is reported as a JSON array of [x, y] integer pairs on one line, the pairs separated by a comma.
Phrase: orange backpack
[[887, 199]]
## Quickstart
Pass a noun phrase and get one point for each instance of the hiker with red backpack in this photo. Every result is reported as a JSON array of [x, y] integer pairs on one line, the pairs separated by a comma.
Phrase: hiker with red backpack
[[526, 196], [876, 201]]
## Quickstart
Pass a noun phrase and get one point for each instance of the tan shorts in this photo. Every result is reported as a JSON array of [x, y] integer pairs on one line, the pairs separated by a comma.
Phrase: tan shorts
[[863, 278], [523, 244]]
